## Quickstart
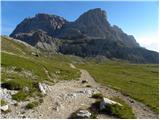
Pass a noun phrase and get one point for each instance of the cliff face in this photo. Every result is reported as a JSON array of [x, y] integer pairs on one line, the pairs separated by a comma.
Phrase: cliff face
[[90, 35], [39, 39]]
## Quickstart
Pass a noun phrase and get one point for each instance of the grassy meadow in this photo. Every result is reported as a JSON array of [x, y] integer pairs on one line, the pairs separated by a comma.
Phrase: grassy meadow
[[139, 81]]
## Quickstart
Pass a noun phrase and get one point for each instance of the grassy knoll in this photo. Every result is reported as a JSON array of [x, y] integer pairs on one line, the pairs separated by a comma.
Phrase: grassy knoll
[[139, 81]]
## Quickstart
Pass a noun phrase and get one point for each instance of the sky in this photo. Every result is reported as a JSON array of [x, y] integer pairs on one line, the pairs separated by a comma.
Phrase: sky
[[139, 19]]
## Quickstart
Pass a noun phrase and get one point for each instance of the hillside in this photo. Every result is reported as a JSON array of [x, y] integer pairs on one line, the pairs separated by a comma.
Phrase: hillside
[[89, 36], [68, 87]]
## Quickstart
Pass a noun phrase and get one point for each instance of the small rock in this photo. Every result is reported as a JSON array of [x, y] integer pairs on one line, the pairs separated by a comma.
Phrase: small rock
[[89, 92], [4, 108], [26, 89], [42, 88], [83, 114], [106, 101]]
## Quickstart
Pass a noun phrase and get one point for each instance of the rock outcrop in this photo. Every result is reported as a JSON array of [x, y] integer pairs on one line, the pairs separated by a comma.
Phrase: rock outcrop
[[40, 39]]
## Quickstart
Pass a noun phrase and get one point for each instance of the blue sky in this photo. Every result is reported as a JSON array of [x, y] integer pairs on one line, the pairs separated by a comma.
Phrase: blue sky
[[136, 18]]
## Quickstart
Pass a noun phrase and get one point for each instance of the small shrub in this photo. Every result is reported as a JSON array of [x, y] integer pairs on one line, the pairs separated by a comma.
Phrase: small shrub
[[123, 112], [32, 105], [18, 69], [95, 107], [20, 96], [3, 102], [88, 86], [41, 100], [97, 96], [11, 85]]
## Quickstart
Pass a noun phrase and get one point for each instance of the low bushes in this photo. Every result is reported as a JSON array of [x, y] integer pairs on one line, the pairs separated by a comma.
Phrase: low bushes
[[97, 96], [32, 105], [20, 96]]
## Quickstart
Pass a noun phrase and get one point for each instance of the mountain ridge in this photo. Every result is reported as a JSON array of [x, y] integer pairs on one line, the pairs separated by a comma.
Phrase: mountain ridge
[[90, 35]]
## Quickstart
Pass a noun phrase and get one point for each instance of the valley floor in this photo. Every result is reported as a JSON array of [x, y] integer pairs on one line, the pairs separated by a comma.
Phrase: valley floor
[[65, 97]]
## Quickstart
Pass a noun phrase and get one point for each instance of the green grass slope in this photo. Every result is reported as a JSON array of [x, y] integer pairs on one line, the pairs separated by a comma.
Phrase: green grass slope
[[21, 68], [139, 81], [18, 57]]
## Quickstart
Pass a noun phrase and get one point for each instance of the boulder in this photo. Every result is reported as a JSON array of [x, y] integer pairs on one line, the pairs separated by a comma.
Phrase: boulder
[[106, 101], [83, 114], [4, 108]]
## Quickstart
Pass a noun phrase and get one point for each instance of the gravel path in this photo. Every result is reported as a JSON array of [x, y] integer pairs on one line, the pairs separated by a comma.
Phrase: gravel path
[[65, 97]]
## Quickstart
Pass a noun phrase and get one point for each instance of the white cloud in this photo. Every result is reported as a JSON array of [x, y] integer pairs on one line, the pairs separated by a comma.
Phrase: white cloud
[[149, 42]]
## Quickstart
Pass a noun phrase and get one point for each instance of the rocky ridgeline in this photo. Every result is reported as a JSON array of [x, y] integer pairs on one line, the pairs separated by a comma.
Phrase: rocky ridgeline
[[89, 36]]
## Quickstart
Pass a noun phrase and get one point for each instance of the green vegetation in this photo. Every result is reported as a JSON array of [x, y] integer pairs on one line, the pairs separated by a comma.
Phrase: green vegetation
[[16, 54], [123, 112], [88, 86], [139, 81], [18, 84], [97, 96], [3, 102], [58, 69], [10, 45], [22, 68], [20, 96], [32, 105]]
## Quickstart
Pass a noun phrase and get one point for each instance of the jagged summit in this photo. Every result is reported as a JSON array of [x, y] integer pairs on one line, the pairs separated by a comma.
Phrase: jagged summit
[[94, 14], [45, 22]]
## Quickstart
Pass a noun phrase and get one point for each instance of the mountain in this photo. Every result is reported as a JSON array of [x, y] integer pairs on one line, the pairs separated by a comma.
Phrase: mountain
[[45, 22], [89, 36]]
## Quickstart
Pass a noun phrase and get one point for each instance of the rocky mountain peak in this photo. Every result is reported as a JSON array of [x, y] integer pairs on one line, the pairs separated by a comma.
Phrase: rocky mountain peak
[[45, 22], [92, 23], [93, 14]]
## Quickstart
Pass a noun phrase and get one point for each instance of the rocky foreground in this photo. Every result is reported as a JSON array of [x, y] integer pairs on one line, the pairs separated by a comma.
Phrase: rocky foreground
[[64, 98]]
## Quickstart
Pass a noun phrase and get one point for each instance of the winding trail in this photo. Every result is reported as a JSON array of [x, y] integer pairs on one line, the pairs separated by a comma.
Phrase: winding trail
[[66, 97]]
